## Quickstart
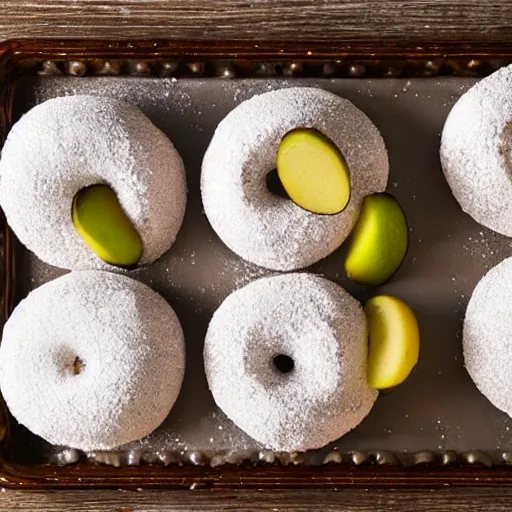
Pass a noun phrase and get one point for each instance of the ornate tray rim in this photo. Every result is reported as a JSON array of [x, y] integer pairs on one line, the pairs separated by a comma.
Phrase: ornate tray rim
[[232, 59]]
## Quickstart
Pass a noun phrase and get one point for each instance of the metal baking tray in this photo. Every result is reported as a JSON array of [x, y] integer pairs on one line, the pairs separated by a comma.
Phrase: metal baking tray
[[436, 428]]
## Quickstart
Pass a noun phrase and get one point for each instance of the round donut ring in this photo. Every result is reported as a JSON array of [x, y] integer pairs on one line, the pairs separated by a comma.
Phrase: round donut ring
[[261, 227], [487, 333], [476, 151], [68, 143], [92, 360], [323, 332]]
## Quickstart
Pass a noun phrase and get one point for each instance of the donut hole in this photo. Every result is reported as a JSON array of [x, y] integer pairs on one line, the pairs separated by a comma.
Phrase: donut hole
[[78, 366], [506, 146], [283, 363], [274, 185]]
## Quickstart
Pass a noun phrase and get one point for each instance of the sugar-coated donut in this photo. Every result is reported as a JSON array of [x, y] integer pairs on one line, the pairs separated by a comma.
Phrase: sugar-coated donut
[[92, 360], [304, 321], [476, 151], [259, 226], [68, 143], [487, 334]]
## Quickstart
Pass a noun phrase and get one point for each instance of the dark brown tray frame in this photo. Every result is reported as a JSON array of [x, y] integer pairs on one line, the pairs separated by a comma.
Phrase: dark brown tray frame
[[240, 59]]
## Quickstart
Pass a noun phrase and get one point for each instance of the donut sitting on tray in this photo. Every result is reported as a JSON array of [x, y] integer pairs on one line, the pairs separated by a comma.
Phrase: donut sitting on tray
[[286, 361], [269, 230], [92, 360], [476, 151], [487, 336], [133, 175]]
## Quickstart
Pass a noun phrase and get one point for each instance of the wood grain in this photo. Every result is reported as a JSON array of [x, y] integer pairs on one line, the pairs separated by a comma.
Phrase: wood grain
[[481, 500], [319, 20]]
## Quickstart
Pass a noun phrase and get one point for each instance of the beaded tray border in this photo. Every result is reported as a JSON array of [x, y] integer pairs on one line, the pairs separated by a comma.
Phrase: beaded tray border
[[225, 470]]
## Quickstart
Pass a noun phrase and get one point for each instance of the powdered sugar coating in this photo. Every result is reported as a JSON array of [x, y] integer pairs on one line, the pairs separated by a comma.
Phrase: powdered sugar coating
[[487, 336], [322, 328], [68, 143], [476, 151], [259, 226], [129, 341]]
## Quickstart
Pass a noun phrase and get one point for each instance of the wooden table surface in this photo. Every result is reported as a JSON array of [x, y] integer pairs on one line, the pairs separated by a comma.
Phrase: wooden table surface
[[425, 20], [459, 500], [413, 20]]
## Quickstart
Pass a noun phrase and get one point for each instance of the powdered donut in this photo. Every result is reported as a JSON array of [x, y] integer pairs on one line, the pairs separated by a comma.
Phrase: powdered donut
[[259, 226], [68, 143], [92, 360], [301, 318], [487, 334], [476, 151]]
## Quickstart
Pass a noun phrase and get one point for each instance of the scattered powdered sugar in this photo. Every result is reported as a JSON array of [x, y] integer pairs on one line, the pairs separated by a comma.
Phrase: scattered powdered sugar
[[68, 143], [266, 229], [487, 334], [195, 418], [476, 151], [322, 329], [244, 272], [92, 360]]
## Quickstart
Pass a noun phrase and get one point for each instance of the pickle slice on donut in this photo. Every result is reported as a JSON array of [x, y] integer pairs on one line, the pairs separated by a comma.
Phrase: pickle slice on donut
[[394, 341], [313, 172], [104, 227], [378, 242]]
